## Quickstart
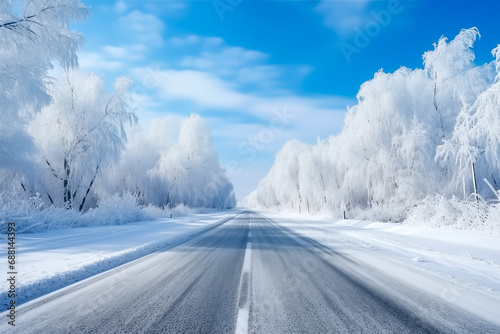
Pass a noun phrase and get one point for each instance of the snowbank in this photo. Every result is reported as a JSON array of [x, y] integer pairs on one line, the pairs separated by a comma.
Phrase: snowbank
[[115, 210]]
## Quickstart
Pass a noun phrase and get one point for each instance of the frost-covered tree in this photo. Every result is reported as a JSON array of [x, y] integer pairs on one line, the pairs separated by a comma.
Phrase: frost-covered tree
[[387, 110], [457, 80], [133, 172], [474, 148], [282, 186], [170, 164], [192, 168], [80, 133], [33, 34]]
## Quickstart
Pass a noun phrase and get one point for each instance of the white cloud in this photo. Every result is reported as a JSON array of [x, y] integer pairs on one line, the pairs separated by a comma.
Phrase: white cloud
[[173, 8], [121, 7], [116, 52], [258, 74], [232, 63], [197, 63], [126, 52], [211, 42], [238, 64], [112, 58], [142, 31], [200, 88], [186, 40], [209, 92], [344, 17], [206, 43], [228, 57], [143, 28], [94, 61]]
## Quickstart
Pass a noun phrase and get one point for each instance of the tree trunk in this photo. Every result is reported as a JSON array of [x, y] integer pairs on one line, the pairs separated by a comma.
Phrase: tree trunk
[[88, 190], [437, 109], [475, 182], [67, 192]]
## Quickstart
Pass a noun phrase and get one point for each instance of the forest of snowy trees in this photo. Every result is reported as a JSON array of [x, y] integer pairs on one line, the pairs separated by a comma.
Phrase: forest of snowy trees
[[69, 144], [421, 144]]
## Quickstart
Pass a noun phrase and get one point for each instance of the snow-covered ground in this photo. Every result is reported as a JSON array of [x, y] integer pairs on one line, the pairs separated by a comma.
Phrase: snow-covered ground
[[461, 267], [50, 260]]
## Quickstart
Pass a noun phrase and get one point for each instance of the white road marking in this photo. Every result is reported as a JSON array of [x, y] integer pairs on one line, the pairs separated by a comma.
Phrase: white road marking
[[243, 312], [248, 258]]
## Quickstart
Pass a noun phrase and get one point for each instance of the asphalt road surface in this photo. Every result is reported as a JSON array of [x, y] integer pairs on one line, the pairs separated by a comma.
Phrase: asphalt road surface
[[249, 275]]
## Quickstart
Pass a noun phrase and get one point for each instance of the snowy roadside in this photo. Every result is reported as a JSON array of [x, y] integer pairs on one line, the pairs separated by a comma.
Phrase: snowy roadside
[[460, 267], [51, 260]]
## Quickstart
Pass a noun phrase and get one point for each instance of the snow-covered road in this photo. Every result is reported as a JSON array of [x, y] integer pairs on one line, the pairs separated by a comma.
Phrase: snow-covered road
[[250, 274]]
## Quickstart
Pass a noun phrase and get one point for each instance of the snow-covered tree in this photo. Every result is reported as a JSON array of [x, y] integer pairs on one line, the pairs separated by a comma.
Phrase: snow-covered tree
[[474, 148], [133, 172], [169, 164], [457, 80], [192, 168], [282, 186], [33, 34], [81, 132]]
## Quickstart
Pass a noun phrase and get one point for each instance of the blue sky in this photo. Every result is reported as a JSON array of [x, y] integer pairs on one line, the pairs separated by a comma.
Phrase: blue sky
[[264, 72]]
